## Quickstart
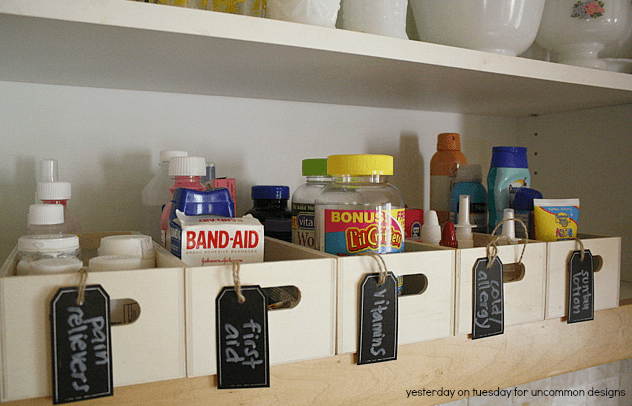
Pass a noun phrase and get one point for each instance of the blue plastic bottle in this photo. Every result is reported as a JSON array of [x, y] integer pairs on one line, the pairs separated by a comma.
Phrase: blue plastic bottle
[[509, 171], [468, 182]]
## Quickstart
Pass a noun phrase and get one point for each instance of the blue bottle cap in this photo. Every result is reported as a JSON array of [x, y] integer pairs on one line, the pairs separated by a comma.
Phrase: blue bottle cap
[[509, 157], [216, 202], [270, 192], [523, 199]]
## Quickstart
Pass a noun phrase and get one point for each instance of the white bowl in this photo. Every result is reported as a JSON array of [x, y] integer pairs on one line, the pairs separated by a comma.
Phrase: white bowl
[[314, 12], [619, 65], [386, 17], [501, 26], [623, 47], [578, 30]]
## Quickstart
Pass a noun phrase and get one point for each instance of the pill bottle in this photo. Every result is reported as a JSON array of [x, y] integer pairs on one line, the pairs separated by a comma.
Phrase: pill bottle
[[360, 211], [45, 219], [137, 245], [156, 194], [59, 193], [35, 247], [443, 168], [270, 207], [51, 266], [187, 173], [304, 198], [104, 263]]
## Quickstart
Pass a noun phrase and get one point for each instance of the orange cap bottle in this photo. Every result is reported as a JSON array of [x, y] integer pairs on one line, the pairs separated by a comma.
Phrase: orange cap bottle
[[443, 167]]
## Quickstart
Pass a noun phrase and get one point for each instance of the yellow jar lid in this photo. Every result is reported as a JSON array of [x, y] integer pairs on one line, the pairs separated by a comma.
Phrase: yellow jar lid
[[360, 165]]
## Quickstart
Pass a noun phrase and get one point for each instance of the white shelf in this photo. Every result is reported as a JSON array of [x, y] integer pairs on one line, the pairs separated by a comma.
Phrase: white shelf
[[131, 45]]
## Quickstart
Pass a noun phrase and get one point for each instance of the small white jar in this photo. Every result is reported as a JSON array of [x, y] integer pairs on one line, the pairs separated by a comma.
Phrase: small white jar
[[106, 263], [34, 247], [137, 245]]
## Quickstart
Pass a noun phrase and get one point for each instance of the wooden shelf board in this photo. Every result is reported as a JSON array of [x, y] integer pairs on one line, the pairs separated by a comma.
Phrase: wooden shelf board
[[131, 45], [525, 353]]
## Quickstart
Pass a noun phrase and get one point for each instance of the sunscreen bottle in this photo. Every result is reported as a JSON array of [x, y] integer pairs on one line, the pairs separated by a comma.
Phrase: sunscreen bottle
[[509, 171]]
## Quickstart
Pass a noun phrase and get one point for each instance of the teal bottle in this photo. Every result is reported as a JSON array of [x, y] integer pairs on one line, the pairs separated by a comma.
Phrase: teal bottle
[[509, 171]]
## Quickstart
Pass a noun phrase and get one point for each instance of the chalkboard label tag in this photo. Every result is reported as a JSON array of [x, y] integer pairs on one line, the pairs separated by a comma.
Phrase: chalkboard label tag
[[243, 356], [81, 345], [581, 288], [378, 319], [488, 307]]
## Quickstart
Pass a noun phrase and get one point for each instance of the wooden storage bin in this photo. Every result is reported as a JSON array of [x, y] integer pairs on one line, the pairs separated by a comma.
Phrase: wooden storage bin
[[422, 317], [607, 275], [524, 298], [152, 348], [303, 332]]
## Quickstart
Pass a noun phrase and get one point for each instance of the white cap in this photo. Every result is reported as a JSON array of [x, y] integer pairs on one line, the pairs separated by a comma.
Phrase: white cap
[[48, 266], [48, 242], [464, 236], [509, 227], [137, 245], [165, 156], [47, 170], [45, 214], [431, 230], [469, 173], [54, 190], [187, 166], [113, 263]]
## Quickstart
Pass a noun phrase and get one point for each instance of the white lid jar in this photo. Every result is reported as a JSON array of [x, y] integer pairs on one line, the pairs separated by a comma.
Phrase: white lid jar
[[137, 245], [360, 211], [35, 247]]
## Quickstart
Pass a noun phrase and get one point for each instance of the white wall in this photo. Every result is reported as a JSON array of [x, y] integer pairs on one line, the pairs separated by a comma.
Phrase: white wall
[[586, 154], [108, 142]]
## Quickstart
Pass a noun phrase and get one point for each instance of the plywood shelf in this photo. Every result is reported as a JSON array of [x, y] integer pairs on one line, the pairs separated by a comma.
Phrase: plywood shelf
[[523, 354], [131, 45]]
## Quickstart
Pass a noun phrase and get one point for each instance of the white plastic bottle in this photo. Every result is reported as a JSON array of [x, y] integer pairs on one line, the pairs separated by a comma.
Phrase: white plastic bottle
[[59, 193], [303, 201], [45, 219], [156, 194]]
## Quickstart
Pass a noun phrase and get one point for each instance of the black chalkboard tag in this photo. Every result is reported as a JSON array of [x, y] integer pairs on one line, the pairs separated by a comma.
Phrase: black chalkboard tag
[[581, 288], [81, 345], [488, 307], [243, 356], [378, 319]]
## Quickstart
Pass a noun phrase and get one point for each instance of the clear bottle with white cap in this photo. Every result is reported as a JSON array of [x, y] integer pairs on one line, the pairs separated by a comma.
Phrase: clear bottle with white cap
[[45, 219], [187, 172], [156, 194], [59, 193], [36, 247]]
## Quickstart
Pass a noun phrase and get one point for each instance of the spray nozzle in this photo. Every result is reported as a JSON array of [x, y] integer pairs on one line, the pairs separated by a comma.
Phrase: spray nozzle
[[509, 227], [47, 170], [463, 226], [431, 230]]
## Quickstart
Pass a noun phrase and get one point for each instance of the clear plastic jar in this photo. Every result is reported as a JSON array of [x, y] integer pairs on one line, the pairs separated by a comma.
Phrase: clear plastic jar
[[35, 247], [360, 211], [304, 198]]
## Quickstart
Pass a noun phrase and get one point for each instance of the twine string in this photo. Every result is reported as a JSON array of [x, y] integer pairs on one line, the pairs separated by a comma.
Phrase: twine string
[[383, 271], [83, 279], [492, 245], [237, 282], [581, 249]]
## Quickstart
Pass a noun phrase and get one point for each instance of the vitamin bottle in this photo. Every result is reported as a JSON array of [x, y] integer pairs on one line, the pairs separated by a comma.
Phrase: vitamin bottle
[[32, 248], [187, 172], [304, 198], [156, 194], [360, 211], [270, 207], [59, 193], [443, 168]]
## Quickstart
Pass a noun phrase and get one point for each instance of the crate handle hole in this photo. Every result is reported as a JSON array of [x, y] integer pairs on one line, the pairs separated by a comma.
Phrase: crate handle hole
[[597, 263], [414, 284], [124, 312], [282, 297], [513, 272]]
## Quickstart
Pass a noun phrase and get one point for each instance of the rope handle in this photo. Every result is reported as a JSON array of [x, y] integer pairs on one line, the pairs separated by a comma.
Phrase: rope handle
[[492, 245]]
